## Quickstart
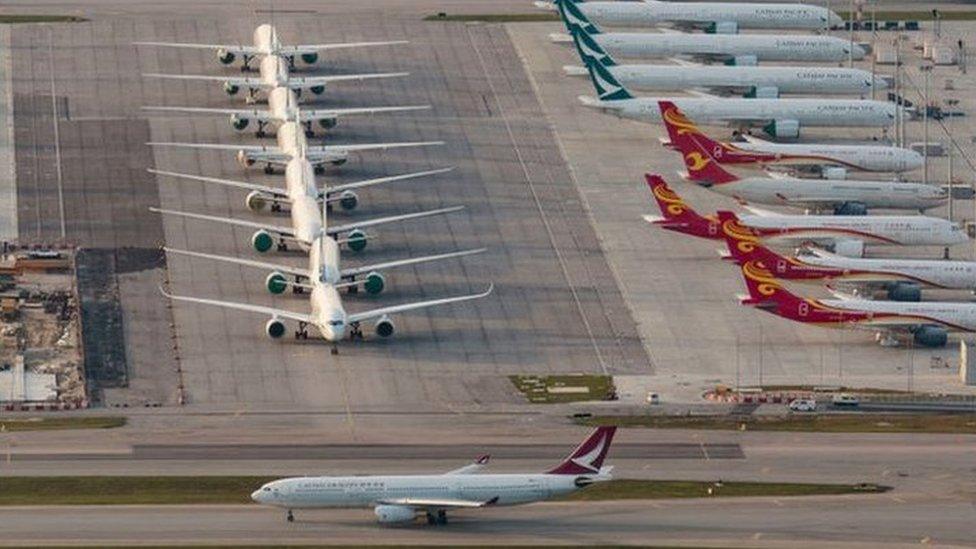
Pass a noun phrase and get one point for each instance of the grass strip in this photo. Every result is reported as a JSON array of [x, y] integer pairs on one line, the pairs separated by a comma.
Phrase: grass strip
[[59, 423], [15, 19], [541, 389], [826, 423], [675, 489]]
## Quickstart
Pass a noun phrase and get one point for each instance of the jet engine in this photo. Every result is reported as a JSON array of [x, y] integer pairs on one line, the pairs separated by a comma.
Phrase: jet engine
[[310, 58], [833, 172], [244, 160], [905, 291], [851, 208], [722, 27], [348, 200], [762, 92], [256, 201], [240, 123], [338, 161], [385, 327], [783, 128], [231, 89], [374, 282], [276, 282], [317, 90], [356, 240], [225, 57], [262, 241], [328, 123], [743, 61], [849, 248], [387, 514], [931, 336], [275, 328]]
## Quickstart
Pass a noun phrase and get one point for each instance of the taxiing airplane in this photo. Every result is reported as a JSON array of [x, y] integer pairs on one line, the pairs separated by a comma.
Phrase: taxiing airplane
[[839, 196], [282, 107], [266, 44], [734, 49], [828, 160], [400, 498], [846, 234], [711, 17], [777, 117], [899, 279], [749, 81]]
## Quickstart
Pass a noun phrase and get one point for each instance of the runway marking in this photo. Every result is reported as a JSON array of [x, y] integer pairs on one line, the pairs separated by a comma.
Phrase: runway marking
[[345, 398], [538, 204], [704, 451], [57, 134]]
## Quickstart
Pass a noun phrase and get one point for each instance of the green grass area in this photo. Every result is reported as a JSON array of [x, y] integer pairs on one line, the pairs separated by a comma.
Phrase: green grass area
[[59, 423], [563, 388], [14, 19], [670, 489], [827, 423], [172, 490], [498, 17]]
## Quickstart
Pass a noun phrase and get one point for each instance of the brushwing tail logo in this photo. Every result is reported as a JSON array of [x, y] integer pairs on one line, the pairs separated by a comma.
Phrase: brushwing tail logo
[[756, 271], [679, 121], [744, 237], [674, 204], [696, 161]]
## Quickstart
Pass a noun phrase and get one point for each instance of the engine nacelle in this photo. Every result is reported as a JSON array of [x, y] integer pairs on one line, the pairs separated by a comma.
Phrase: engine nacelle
[[743, 61], [225, 57], [762, 92], [338, 161], [931, 336], [256, 201], [385, 327], [904, 291], [851, 208], [244, 160], [783, 128], [276, 283], [387, 514], [374, 282], [328, 123], [231, 89], [356, 240], [310, 58], [317, 90], [833, 172], [262, 241], [348, 200], [722, 27], [239, 122], [274, 328], [849, 248]]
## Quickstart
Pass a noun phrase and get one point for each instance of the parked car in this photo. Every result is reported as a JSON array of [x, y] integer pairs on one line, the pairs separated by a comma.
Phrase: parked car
[[846, 399], [803, 405]]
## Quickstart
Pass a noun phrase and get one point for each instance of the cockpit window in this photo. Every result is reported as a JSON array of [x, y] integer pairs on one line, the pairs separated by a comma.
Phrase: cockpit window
[[335, 323], [266, 489]]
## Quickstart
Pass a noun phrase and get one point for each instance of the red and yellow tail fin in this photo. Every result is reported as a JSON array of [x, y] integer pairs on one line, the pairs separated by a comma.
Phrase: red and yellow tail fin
[[676, 215]]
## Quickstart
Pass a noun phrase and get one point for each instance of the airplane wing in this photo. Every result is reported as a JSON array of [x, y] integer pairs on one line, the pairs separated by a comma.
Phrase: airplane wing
[[246, 307], [250, 114], [310, 81], [683, 62], [312, 48], [471, 468], [700, 93], [318, 114], [326, 149], [297, 271], [379, 180], [390, 219], [229, 48], [410, 261], [287, 231], [376, 313], [761, 212], [755, 140], [242, 81], [273, 191], [434, 503], [219, 146]]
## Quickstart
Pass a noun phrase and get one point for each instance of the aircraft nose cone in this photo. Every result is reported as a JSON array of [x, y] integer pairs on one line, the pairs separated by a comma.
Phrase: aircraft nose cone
[[256, 496]]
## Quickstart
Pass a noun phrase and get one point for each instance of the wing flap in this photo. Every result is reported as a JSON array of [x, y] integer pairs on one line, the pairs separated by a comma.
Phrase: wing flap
[[245, 307], [438, 503], [286, 231]]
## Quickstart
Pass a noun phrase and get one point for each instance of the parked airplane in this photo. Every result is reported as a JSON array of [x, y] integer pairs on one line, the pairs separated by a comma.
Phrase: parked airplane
[[712, 17], [266, 44], [846, 234], [828, 160], [899, 279], [777, 117], [925, 324], [839, 196], [282, 107], [744, 49], [274, 73], [399, 498]]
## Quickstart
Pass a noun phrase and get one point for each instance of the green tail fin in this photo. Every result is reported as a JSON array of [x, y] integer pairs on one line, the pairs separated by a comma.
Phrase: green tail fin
[[574, 17], [607, 87], [586, 46]]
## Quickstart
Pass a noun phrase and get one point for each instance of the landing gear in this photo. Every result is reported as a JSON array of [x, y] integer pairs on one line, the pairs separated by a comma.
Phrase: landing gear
[[282, 246], [276, 207], [246, 63], [269, 169], [295, 288], [439, 519], [290, 517], [302, 331], [260, 132], [319, 169], [355, 331], [308, 130], [335, 349]]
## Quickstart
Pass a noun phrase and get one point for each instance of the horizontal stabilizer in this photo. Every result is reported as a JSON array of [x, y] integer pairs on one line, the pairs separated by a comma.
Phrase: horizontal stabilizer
[[560, 38], [575, 70]]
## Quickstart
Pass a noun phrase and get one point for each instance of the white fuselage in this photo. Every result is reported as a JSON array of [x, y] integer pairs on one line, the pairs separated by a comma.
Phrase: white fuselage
[[820, 193], [811, 80], [273, 71], [869, 158], [956, 275], [369, 491], [732, 111], [266, 39], [306, 210], [813, 48], [870, 229], [954, 316], [744, 15], [282, 104], [327, 311], [291, 138]]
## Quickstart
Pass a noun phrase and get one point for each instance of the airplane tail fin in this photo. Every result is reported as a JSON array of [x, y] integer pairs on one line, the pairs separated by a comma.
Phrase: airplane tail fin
[[573, 17], [696, 148], [607, 87], [743, 242], [676, 215], [587, 458], [586, 46]]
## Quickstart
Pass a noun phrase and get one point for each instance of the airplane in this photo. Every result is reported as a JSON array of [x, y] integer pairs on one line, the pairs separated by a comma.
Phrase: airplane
[[283, 106], [274, 73], [711, 17], [265, 43], [748, 81], [899, 279], [400, 498], [847, 235], [738, 49], [828, 160], [839, 196], [776, 117], [925, 324]]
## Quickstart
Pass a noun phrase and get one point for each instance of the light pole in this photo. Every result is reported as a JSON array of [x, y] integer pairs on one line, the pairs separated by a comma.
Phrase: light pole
[[950, 105], [927, 69]]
